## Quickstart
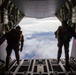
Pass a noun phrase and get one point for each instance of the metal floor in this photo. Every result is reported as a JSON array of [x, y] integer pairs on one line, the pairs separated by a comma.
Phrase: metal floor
[[40, 67]]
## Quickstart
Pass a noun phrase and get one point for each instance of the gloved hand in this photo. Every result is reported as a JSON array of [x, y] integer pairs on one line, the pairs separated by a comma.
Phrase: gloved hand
[[20, 49], [55, 33]]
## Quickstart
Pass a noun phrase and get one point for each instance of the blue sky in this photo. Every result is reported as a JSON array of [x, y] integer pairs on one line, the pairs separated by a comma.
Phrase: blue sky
[[40, 42]]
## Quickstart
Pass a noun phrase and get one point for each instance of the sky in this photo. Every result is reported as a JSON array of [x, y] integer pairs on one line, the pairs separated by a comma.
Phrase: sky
[[39, 38]]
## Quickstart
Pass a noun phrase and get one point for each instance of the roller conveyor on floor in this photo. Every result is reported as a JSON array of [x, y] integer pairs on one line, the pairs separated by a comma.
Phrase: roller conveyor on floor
[[39, 67]]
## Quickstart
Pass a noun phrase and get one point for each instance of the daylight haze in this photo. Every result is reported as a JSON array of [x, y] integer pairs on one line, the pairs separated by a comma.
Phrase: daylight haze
[[39, 39]]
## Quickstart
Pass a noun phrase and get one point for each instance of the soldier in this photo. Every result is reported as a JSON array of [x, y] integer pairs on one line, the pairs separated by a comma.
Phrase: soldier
[[14, 39], [64, 34]]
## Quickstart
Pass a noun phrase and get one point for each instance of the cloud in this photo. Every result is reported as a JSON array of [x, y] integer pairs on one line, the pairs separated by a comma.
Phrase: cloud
[[39, 39], [42, 36], [31, 21], [40, 45]]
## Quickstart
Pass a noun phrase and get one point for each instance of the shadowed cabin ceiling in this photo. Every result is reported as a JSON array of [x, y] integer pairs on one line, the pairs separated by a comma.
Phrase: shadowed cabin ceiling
[[39, 8]]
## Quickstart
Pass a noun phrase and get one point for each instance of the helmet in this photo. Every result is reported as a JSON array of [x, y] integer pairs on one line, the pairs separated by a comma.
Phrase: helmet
[[18, 27]]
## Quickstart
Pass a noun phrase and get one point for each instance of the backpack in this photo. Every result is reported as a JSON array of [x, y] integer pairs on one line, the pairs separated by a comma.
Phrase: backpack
[[13, 37], [64, 33]]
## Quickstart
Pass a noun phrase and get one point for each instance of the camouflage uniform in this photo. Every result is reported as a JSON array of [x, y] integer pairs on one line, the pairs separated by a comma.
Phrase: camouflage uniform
[[63, 34], [13, 37]]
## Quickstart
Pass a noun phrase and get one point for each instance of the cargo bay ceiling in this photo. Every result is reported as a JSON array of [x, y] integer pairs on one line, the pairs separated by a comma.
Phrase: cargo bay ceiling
[[39, 8]]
